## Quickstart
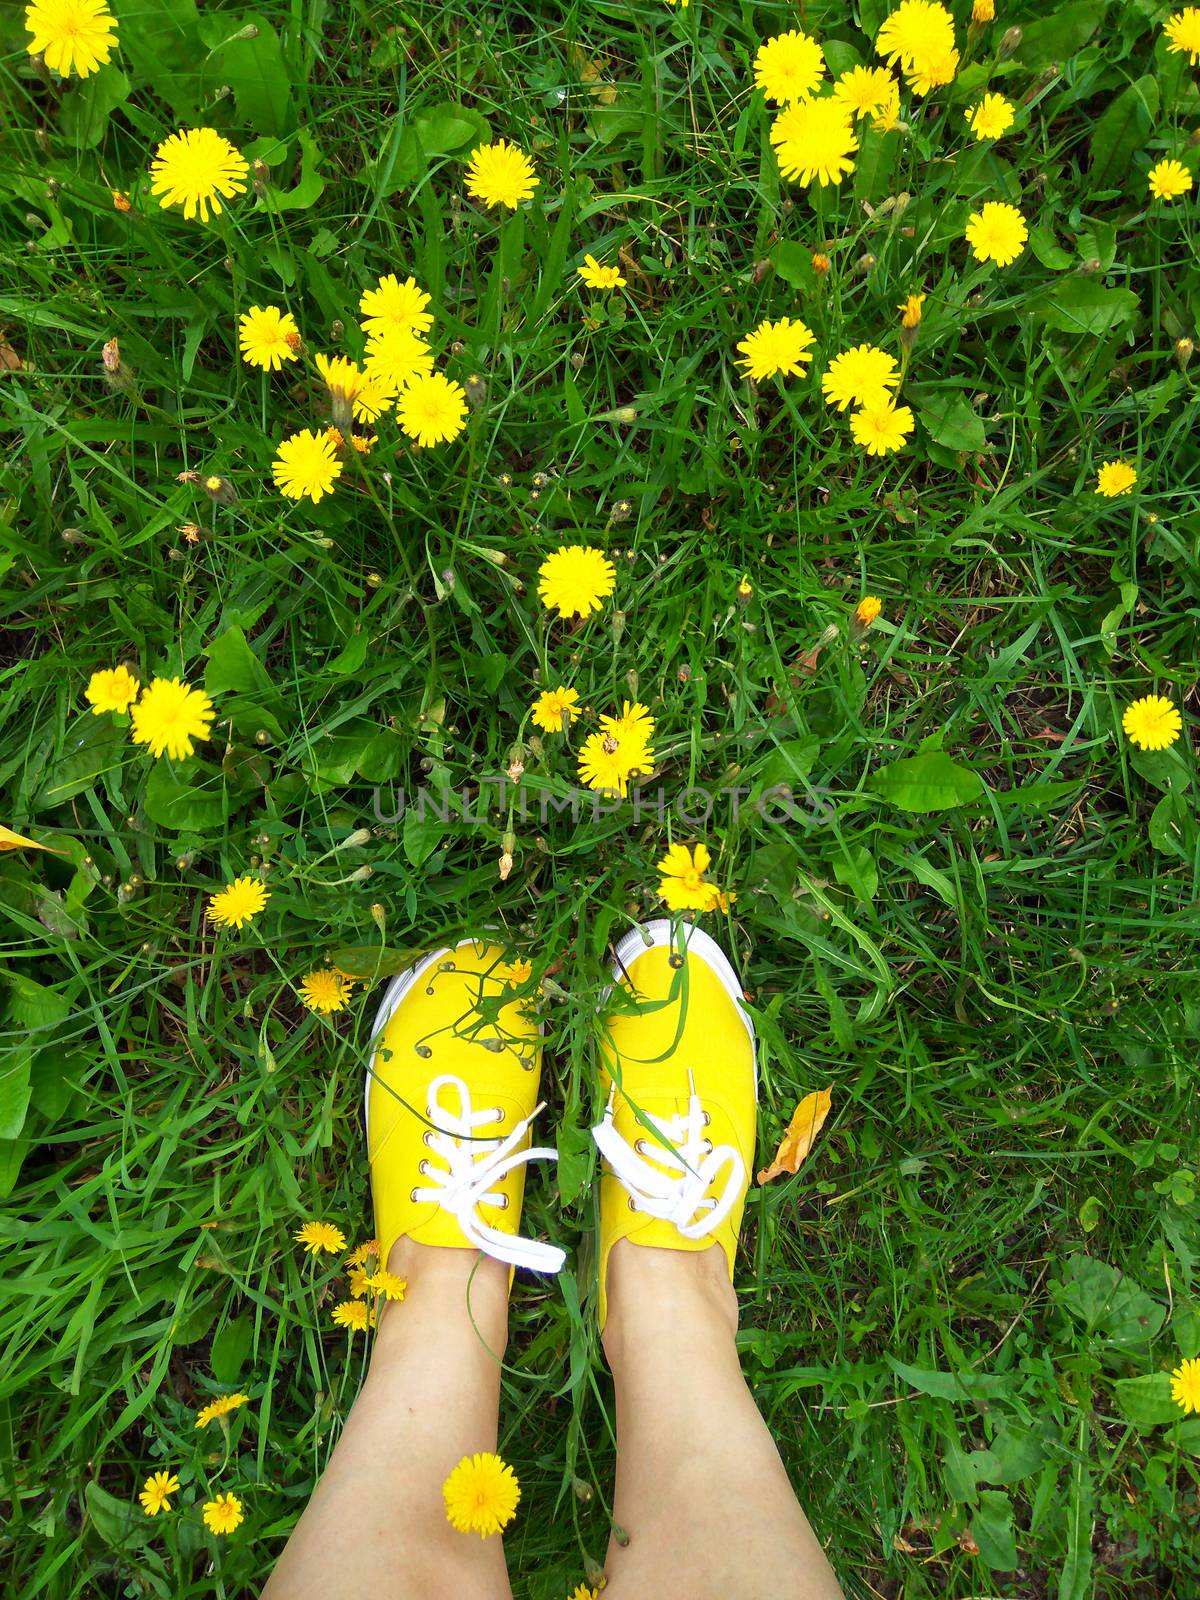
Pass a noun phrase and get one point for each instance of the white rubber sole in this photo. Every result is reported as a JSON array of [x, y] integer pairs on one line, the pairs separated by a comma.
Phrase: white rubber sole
[[648, 935]]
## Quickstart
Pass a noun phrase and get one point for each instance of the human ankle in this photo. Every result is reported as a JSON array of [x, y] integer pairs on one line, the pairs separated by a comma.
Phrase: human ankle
[[656, 1294], [450, 1287]]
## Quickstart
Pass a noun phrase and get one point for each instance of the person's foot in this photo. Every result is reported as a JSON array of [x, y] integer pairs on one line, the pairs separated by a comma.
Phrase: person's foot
[[451, 1092], [677, 1065]]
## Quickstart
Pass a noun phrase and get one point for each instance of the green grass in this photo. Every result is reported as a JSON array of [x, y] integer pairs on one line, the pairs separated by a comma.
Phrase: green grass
[[959, 1317]]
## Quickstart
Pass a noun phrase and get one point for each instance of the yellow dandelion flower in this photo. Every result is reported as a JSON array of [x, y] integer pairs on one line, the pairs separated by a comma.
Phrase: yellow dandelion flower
[[432, 410], [325, 990], [387, 1284], [776, 349], [156, 1492], [223, 1514], [71, 35], [582, 1592], [868, 608], [353, 1315], [1183, 34], [983, 11], [574, 579], [220, 1407], [910, 311], [500, 174], [880, 429], [1152, 723], [395, 358], [814, 141], [481, 1495], [863, 376], [821, 263], [114, 689], [237, 902], [598, 277], [889, 116], [992, 117], [517, 973], [193, 168], [306, 465], [268, 337], [1169, 179], [867, 91], [788, 67], [318, 1236], [1114, 478], [919, 35], [1185, 1385], [553, 709], [997, 233], [169, 716], [620, 750], [360, 1281], [395, 307], [361, 1252], [682, 883], [353, 391]]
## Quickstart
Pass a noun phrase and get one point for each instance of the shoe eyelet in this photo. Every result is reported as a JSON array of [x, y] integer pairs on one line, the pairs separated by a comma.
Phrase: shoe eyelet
[[707, 1118], [632, 1203], [412, 1195], [427, 1138], [423, 1167], [502, 1203], [641, 1147]]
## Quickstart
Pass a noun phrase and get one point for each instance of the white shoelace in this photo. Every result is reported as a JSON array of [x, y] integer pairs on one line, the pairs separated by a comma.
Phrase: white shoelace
[[474, 1167], [679, 1194]]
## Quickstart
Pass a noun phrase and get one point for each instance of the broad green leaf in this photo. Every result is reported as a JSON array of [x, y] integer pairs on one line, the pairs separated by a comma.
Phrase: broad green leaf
[[1047, 250], [230, 1347], [95, 746], [928, 782], [875, 163], [1083, 305], [15, 1090], [87, 108], [992, 1530], [233, 667], [949, 419], [1110, 1305], [855, 870], [181, 803], [1122, 130], [376, 961], [950, 1385], [1172, 826], [574, 1161], [793, 262], [421, 836], [254, 69], [1146, 1400], [1052, 38]]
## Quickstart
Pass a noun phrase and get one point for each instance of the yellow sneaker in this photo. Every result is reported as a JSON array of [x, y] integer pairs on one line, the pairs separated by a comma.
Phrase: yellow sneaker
[[451, 1093], [677, 1063]]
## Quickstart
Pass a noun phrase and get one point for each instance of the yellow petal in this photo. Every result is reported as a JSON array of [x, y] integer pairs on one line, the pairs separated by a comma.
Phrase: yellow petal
[[801, 1134], [17, 841]]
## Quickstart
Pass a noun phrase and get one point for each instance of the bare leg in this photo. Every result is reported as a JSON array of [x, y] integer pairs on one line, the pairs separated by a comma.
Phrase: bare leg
[[701, 1490], [376, 1524]]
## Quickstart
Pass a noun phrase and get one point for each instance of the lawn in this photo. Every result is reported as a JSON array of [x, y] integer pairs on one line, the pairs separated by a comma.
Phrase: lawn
[[959, 895]]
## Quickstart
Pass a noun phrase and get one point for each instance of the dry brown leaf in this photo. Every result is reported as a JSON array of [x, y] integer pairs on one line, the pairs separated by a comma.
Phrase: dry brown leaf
[[801, 1134], [10, 361], [592, 73]]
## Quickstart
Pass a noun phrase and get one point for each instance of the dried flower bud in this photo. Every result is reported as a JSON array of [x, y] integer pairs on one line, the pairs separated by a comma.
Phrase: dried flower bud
[[352, 841], [476, 389], [117, 374], [505, 866], [219, 490], [121, 202], [1010, 43], [821, 263], [1183, 352]]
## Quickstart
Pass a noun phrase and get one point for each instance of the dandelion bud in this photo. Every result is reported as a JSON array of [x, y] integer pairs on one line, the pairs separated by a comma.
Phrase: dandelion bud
[[864, 265], [983, 11], [336, 329], [457, 347], [631, 678], [505, 866], [625, 415], [248, 32], [184, 861], [378, 916], [117, 375], [121, 202], [821, 263], [374, 580], [360, 836], [621, 511], [540, 480], [620, 1536], [1091, 266], [1183, 352], [744, 590], [219, 490], [260, 177], [583, 1491], [1010, 43], [73, 536], [476, 390], [594, 1574], [361, 874], [867, 609], [262, 737], [578, 359]]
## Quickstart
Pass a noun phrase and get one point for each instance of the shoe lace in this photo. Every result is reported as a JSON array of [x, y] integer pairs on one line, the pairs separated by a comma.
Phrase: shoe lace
[[693, 1164], [474, 1167]]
